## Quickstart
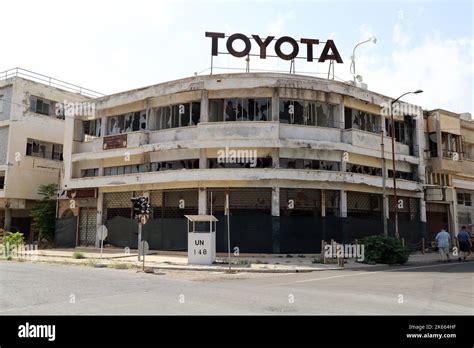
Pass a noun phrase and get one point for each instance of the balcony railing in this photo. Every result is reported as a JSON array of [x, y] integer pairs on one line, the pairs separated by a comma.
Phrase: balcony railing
[[50, 81]]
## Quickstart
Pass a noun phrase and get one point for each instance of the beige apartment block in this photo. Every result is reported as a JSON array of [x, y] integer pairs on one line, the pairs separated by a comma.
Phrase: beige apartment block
[[449, 157], [31, 140]]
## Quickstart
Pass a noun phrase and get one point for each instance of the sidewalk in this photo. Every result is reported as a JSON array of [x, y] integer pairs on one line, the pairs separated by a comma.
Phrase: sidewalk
[[161, 260]]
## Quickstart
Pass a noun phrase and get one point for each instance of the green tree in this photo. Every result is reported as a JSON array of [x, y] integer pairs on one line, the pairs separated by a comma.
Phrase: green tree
[[44, 212]]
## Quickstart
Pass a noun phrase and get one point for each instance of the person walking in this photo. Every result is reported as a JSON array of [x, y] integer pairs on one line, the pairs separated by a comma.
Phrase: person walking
[[465, 243], [442, 239]]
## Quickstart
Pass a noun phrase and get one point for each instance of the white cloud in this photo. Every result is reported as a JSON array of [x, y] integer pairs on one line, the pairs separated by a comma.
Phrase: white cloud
[[441, 67]]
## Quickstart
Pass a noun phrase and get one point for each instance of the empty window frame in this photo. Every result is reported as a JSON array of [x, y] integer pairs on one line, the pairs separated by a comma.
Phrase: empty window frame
[[131, 122], [355, 168], [295, 163], [41, 106], [175, 165], [91, 129], [307, 113], [261, 162], [357, 119], [247, 109], [43, 149], [173, 116], [451, 144], [2, 180], [467, 150]]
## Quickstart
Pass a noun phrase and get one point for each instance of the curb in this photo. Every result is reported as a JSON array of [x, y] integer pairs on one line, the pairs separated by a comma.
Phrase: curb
[[240, 270]]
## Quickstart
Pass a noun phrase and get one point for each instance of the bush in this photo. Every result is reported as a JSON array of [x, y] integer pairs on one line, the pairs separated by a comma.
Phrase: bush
[[13, 239], [78, 255], [386, 250]]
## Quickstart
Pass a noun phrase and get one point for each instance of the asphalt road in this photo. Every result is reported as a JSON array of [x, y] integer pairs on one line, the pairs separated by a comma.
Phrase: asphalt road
[[38, 288]]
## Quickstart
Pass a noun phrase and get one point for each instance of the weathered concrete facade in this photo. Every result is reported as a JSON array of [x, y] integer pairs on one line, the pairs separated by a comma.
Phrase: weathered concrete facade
[[317, 143], [449, 160], [30, 145]]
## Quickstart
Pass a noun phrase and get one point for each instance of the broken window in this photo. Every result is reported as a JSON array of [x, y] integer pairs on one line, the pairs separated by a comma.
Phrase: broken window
[[292, 163], [357, 119], [178, 115], [307, 113], [43, 149], [355, 168], [40, 105], [451, 144], [216, 110], [91, 129], [260, 162]]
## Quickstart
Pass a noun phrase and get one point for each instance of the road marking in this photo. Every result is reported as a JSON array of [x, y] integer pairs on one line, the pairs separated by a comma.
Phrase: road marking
[[367, 273]]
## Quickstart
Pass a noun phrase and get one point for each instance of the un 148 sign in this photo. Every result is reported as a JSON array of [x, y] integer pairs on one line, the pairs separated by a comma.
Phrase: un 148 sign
[[201, 248]]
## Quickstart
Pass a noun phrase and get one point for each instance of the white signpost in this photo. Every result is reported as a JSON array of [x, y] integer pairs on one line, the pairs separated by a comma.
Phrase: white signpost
[[201, 239], [102, 233]]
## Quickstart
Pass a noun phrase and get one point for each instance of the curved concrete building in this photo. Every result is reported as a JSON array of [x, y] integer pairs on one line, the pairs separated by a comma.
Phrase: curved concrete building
[[300, 157]]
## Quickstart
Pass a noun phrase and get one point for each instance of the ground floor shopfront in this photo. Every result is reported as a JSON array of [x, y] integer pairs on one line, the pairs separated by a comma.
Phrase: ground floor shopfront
[[262, 220]]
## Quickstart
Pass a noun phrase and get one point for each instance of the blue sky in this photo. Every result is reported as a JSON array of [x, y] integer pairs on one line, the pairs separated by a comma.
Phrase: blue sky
[[112, 46]]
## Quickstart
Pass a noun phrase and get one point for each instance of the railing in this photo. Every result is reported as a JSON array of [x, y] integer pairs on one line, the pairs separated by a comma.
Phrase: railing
[[50, 81]]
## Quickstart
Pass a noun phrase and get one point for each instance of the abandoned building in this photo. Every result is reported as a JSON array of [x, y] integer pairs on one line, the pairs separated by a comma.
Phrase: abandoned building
[[31, 140], [317, 173]]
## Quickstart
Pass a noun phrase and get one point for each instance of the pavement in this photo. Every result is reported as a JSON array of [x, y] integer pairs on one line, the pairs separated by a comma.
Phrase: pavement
[[160, 260], [54, 289]]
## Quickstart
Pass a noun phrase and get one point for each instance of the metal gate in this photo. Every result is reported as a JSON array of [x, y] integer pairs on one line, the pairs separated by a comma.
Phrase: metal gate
[[87, 226]]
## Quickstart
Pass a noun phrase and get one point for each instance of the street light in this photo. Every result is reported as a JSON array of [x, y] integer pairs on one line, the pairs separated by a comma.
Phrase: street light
[[353, 63], [394, 173]]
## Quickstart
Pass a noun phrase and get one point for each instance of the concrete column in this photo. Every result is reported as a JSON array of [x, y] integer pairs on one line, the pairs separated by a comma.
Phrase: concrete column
[[454, 213], [103, 126], [339, 115], [422, 208], [202, 201], [202, 159], [275, 105], [100, 205], [276, 158], [276, 220], [204, 107], [275, 201], [8, 219], [343, 203]]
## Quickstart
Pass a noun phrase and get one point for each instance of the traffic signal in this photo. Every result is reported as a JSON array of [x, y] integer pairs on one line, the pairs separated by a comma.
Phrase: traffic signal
[[141, 206]]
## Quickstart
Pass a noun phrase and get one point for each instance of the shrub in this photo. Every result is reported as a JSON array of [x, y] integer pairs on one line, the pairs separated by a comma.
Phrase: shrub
[[386, 250], [44, 212], [13, 239], [78, 255]]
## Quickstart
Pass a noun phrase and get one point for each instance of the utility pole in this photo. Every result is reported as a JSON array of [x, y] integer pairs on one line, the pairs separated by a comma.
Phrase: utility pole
[[394, 171], [384, 192]]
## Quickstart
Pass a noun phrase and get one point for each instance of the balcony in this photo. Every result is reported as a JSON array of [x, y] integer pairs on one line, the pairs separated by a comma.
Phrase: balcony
[[371, 141]]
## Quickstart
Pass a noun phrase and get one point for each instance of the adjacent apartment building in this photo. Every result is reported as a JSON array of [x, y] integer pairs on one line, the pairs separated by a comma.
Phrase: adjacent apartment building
[[31, 140], [449, 156], [301, 158]]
